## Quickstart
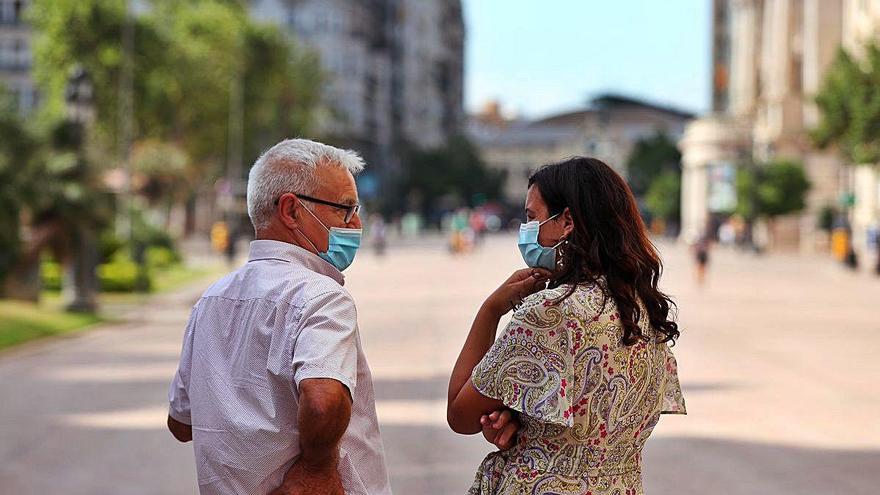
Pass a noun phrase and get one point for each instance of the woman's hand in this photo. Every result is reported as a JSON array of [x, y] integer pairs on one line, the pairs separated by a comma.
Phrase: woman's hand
[[520, 285], [500, 428]]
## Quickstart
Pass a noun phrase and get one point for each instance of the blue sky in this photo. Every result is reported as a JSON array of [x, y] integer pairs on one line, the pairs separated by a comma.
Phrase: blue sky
[[538, 57]]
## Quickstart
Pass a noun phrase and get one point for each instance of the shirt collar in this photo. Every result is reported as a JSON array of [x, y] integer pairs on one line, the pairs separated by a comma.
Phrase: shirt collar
[[291, 253]]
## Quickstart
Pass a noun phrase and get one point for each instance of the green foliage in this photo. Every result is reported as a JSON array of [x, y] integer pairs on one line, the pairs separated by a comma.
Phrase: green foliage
[[118, 271], [825, 218], [162, 170], [455, 170], [84, 32], [188, 58], [51, 275], [649, 159], [121, 275], [19, 150], [21, 322], [282, 88], [161, 257], [663, 198], [44, 181], [849, 103], [146, 234], [772, 189], [117, 275]]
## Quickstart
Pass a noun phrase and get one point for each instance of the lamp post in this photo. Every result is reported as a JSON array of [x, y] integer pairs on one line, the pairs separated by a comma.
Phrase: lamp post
[[81, 281]]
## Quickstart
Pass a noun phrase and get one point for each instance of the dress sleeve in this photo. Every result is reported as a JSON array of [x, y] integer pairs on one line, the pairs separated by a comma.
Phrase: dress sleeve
[[522, 369], [673, 399]]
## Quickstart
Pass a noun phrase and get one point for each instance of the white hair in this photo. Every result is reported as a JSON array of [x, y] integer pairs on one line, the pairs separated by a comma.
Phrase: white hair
[[290, 166]]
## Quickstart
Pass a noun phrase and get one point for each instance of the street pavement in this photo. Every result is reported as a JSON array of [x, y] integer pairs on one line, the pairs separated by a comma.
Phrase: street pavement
[[778, 360]]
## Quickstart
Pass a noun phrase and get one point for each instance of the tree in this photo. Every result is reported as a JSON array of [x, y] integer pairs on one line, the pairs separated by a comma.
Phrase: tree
[[849, 105], [771, 190], [649, 159], [454, 172], [282, 88], [19, 150], [46, 181], [663, 198], [191, 62]]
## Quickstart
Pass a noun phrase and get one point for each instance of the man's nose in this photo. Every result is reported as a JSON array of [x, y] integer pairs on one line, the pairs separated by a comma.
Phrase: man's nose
[[355, 222]]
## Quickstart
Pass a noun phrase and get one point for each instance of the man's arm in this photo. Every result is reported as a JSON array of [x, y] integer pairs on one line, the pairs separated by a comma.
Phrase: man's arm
[[181, 431], [324, 413]]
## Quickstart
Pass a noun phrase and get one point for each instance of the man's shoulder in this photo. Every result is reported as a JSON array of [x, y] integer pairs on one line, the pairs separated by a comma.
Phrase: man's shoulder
[[282, 283], [323, 288]]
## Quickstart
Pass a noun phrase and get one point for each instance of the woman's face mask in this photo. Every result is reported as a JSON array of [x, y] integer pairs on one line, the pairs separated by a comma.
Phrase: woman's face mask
[[534, 254]]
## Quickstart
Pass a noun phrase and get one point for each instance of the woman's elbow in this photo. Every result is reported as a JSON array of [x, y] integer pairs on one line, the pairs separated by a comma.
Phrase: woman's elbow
[[460, 422]]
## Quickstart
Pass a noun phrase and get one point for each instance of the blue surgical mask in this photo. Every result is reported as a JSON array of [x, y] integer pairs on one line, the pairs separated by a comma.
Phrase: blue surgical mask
[[534, 254], [342, 244]]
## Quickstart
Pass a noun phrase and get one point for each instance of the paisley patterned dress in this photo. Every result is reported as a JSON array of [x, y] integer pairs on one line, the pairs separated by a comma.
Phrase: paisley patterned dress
[[588, 403]]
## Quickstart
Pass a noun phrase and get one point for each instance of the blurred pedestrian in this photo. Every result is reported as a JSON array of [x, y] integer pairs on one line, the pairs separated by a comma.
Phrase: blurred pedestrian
[[378, 234], [701, 258], [584, 364], [461, 237], [477, 222], [231, 248]]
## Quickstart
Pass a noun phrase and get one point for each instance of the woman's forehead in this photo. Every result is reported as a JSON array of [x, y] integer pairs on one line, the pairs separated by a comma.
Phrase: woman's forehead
[[534, 200]]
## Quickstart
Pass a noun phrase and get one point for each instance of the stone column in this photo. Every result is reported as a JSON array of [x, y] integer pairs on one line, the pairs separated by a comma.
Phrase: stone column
[[745, 45], [707, 141]]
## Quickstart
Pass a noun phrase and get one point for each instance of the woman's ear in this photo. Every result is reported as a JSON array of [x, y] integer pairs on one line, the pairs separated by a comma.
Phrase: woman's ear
[[567, 223]]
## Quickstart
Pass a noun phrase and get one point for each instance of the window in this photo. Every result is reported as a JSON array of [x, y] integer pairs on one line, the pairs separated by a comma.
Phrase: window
[[5, 59], [15, 55], [17, 10], [26, 99]]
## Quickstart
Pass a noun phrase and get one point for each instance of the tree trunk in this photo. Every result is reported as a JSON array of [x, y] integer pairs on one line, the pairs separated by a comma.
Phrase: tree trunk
[[24, 282], [80, 277]]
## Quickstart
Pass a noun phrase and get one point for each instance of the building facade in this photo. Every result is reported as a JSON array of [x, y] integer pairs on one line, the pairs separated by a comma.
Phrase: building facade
[[395, 70], [15, 55], [607, 129], [775, 55], [861, 23]]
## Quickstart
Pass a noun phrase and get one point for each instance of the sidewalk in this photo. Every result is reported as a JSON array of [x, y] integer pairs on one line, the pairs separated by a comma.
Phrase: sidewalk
[[778, 361]]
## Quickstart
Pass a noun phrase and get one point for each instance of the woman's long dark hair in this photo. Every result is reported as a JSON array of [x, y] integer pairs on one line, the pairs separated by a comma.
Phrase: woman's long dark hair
[[609, 239]]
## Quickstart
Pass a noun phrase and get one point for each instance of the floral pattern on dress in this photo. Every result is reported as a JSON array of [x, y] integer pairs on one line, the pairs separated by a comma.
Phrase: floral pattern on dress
[[588, 403]]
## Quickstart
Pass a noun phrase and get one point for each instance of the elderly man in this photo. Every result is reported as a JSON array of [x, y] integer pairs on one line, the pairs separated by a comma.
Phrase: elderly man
[[272, 376]]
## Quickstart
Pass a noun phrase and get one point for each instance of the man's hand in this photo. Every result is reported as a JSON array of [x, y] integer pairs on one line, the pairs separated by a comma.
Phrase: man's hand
[[302, 479], [500, 428], [181, 431]]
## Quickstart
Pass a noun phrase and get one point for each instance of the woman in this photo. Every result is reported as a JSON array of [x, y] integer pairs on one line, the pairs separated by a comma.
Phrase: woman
[[585, 361]]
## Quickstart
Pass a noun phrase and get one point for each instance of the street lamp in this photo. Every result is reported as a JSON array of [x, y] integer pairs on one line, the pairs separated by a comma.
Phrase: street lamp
[[81, 281], [79, 97]]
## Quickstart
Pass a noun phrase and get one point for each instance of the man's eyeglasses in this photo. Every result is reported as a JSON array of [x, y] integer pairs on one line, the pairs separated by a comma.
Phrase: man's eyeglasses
[[350, 210]]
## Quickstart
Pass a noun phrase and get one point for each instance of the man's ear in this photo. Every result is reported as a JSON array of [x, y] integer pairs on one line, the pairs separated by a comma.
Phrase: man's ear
[[567, 222], [286, 210]]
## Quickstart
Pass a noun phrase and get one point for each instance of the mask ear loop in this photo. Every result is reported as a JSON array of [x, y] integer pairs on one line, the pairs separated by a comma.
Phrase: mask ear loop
[[551, 218], [313, 215], [316, 218], [562, 241]]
